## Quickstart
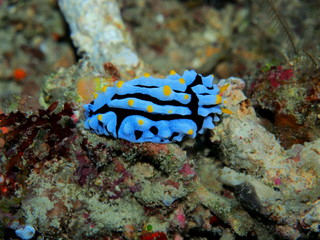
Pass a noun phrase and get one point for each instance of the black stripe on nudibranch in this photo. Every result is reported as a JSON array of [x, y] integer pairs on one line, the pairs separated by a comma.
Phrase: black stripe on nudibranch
[[193, 104], [173, 135], [138, 134], [154, 130], [141, 110], [123, 113], [149, 98]]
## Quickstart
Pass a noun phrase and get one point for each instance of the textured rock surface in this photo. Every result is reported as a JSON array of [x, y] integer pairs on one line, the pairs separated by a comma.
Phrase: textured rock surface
[[97, 30]]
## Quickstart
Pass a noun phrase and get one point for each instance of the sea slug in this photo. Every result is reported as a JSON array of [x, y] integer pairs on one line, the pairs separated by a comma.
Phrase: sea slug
[[148, 109]]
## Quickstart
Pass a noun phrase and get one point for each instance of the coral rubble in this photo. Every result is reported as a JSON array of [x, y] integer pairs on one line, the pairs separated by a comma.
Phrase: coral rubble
[[252, 177]]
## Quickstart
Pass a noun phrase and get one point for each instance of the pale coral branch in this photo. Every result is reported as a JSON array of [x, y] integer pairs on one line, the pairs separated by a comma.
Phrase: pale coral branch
[[97, 30]]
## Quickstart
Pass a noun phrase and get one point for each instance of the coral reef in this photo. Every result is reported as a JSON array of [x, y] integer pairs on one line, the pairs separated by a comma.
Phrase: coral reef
[[254, 176], [25, 129], [288, 98], [277, 184]]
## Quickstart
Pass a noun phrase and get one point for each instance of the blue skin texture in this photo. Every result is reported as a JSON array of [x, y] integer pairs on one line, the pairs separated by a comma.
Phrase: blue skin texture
[[26, 232], [148, 109]]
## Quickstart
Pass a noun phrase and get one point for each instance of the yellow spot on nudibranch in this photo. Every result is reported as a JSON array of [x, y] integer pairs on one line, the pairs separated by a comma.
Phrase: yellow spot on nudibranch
[[224, 88], [150, 109], [218, 99], [97, 82], [104, 88], [130, 102], [95, 95], [140, 122], [99, 117], [146, 75], [182, 81], [186, 97], [167, 90], [173, 72], [226, 111], [190, 132], [119, 84], [169, 111]]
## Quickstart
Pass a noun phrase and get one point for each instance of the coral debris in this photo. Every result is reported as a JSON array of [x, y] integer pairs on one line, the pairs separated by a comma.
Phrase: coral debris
[[27, 131]]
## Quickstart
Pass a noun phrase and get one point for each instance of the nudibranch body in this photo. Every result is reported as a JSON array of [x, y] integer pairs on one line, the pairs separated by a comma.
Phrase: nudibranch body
[[148, 109]]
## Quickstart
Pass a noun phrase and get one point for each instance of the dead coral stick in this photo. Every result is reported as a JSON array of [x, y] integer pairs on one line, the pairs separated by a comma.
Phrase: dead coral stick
[[226, 209], [97, 30]]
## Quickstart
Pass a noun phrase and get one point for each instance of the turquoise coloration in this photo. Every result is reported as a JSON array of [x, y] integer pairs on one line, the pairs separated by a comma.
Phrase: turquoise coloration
[[26, 232], [149, 109]]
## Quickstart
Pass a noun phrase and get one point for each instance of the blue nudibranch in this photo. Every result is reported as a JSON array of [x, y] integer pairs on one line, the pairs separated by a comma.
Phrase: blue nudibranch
[[148, 109]]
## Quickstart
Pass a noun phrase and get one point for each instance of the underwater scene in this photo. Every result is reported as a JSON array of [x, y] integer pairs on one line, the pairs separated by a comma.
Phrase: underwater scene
[[159, 119]]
